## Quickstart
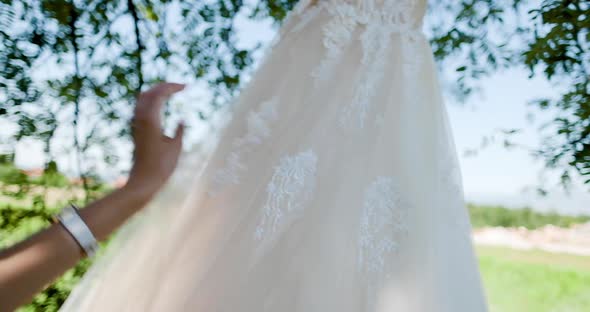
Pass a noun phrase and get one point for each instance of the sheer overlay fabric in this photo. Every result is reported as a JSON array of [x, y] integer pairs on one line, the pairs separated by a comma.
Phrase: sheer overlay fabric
[[335, 187]]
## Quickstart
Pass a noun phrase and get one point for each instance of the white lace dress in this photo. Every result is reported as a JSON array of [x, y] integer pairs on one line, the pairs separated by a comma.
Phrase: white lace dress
[[334, 188]]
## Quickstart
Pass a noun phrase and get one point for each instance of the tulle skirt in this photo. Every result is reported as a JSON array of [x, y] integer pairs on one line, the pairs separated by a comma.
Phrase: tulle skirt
[[335, 187]]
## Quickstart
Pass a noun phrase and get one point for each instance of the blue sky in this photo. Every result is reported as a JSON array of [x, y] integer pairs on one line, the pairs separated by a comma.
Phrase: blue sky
[[498, 175], [495, 175]]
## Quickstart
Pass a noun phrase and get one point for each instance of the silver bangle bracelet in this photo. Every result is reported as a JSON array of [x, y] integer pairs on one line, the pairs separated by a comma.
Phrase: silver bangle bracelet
[[73, 223]]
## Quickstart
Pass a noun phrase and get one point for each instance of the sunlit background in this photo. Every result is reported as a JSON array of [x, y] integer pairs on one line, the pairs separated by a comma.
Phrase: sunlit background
[[532, 234]]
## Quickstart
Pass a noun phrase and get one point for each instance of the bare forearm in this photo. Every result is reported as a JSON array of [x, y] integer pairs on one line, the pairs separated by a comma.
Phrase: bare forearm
[[29, 266], [110, 212]]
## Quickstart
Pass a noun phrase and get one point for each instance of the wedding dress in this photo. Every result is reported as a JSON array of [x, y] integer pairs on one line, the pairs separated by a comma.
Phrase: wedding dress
[[335, 187]]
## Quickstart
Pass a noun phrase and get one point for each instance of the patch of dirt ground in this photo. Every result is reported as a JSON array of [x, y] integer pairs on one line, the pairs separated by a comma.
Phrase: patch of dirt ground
[[572, 240]]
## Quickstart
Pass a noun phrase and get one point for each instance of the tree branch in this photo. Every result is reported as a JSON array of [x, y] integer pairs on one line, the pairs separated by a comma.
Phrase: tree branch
[[77, 95], [138, 65]]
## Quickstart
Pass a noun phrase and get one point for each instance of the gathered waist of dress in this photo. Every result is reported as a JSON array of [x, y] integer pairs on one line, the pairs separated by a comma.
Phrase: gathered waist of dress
[[391, 15]]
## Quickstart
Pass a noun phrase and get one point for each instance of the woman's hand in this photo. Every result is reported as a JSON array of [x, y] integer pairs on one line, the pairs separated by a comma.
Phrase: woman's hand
[[30, 265], [156, 155]]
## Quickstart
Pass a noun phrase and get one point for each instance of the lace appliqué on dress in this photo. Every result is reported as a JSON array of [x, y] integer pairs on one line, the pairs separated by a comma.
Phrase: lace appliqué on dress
[[288, 191], [257, 129], [376, 43], [380, 19], [383, 224], [337, 37]]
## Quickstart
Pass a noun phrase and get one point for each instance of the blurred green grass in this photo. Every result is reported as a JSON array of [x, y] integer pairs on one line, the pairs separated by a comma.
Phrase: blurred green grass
[[534, 281]]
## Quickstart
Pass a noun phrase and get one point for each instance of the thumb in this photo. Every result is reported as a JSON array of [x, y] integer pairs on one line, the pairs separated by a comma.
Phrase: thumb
[[178, 136]]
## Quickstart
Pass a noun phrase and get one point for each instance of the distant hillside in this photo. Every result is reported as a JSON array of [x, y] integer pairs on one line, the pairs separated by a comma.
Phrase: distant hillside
[[482, 216]]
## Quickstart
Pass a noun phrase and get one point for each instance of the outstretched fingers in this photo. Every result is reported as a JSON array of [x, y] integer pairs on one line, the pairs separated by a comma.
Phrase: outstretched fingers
[[149, 103]]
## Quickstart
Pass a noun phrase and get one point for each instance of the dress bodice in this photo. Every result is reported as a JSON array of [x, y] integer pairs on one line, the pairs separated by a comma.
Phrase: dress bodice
[[412, 10], [401, 13], [383, 30]]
